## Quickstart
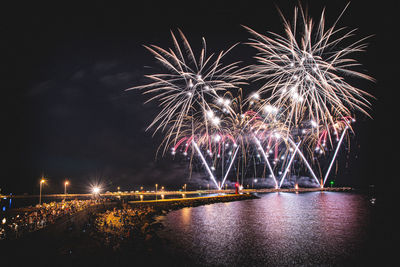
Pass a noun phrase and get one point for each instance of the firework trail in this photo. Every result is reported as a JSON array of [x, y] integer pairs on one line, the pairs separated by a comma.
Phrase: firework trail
[[223, 144]]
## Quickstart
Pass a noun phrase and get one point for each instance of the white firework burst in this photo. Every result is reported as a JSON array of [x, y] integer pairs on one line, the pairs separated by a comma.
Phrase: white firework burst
[[304, 70], [188, 84]]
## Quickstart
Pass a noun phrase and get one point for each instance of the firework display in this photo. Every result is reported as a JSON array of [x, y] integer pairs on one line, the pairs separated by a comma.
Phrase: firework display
[[188, 87], [303, 109]]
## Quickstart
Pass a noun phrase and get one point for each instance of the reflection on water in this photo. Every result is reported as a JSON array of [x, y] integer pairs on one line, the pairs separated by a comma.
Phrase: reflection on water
[[277, 229]]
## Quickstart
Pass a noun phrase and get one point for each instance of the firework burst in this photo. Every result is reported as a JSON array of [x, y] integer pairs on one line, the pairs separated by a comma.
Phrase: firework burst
[[187, 85], [304, 104], [303, 71]]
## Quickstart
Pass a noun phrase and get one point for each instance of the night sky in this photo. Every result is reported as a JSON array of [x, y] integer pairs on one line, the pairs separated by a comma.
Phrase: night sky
[[65, 114]]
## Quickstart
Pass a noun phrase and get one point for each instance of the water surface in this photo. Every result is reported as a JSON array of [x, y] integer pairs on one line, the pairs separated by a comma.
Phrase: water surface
[[279, 229]]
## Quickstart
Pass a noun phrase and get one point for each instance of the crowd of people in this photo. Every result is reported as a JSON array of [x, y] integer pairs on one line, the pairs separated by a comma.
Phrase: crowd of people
[[15, 226]]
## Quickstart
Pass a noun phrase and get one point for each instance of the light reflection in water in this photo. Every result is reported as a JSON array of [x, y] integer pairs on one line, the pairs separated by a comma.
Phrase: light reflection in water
[[186, 216], [279, 229]]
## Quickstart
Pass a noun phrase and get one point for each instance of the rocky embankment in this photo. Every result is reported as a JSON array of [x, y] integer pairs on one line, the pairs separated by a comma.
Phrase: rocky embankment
[[132, 229], [135, 221], [162, 207]]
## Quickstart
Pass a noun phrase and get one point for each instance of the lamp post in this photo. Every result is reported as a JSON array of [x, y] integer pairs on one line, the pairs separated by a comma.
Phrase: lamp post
[[66, 183], [65, 187], [156, 191], [185, 187], [40, 192]]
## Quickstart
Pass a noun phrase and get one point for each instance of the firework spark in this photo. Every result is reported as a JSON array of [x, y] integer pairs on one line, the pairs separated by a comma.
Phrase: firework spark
[[304, 104], [303, 71], [187, 85]]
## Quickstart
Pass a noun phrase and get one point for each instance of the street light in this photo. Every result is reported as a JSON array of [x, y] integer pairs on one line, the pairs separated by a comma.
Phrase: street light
[[65, 187], [252, 183], [42, 181], [156, 191], [96, 190]]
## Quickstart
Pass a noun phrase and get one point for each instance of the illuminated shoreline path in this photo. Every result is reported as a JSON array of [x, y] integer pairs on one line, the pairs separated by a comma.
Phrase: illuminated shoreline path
[[302, 111], [180, 193]]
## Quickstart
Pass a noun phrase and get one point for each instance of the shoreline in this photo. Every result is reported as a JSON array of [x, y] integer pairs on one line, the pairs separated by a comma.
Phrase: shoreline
[[146, 244], [84, 244], [163, 207]]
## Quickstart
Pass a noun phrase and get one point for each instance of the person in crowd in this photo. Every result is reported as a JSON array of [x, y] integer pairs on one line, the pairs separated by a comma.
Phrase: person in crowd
[[41, 216]]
